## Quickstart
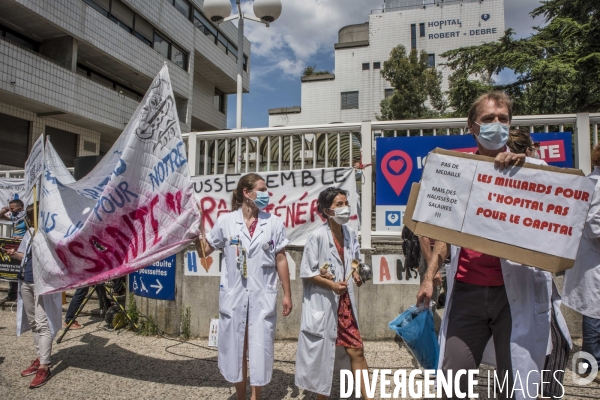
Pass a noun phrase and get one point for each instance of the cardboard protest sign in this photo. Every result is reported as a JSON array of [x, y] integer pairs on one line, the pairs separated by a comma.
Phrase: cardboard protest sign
[[532, 214], [293, 195], [135, 208], [34, 164]]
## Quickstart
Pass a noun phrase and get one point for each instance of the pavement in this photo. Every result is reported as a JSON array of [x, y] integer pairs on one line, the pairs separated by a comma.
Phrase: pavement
[[97, 363]]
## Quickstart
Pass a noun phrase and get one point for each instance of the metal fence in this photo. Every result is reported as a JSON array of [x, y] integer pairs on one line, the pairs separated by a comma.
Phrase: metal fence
[[340, 145]]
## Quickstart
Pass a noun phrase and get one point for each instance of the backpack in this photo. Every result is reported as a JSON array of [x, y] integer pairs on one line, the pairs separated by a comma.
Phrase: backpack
[[411, 248]]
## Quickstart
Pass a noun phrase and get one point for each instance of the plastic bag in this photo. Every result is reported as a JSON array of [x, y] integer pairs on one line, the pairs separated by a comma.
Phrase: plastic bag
[[415, 327]]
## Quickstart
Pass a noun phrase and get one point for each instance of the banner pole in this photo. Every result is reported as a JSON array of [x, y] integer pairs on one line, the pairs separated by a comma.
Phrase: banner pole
[[35, 216]]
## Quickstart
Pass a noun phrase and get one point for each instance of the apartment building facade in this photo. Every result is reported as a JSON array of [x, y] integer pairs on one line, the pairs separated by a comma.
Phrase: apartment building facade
[[77, 69]]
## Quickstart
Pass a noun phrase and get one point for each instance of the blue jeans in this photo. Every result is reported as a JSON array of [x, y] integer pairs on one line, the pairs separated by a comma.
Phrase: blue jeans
[[591, 337]]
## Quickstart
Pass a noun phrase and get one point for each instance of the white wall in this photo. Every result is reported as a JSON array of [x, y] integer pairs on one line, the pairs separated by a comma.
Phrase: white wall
[[463, 25]]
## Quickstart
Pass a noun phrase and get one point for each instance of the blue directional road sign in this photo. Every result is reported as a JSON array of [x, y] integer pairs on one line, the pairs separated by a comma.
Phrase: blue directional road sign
[[156, 281]]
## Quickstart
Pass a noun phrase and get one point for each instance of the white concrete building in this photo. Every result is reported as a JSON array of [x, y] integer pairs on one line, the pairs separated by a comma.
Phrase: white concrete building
[[77, 69], [355, 91]]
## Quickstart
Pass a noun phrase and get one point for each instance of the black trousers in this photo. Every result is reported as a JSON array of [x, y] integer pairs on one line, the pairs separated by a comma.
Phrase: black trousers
[[78, 298], [477, 314]]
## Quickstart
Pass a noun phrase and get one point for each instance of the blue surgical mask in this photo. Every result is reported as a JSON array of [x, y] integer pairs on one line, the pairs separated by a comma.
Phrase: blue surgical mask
[[262, 200], [493, 136]]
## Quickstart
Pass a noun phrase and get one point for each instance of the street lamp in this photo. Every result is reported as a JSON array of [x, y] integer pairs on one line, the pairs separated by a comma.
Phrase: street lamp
[[219, 11]]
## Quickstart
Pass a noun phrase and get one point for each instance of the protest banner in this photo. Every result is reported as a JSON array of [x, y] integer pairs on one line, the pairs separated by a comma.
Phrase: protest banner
[[9, 267], [13, 189], [405, 157], [34, 164], [293, 196], [531, 214], [133, 209]]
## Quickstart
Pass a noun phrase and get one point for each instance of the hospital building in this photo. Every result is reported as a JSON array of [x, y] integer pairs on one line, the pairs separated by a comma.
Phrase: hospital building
[[77, 70], [354, 91]]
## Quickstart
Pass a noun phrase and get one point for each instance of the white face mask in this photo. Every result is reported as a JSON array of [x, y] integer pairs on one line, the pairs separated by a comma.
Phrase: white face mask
[[342, 215], [493, 136]]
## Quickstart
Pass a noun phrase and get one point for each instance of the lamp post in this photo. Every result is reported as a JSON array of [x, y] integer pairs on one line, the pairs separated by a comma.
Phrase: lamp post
[[219, 11]]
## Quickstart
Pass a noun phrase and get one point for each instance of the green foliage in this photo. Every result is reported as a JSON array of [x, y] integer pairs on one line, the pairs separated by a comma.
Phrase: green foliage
[[186, 317], [133, 312], [312, 70], [415, 86], [557, 68], [145, 325]]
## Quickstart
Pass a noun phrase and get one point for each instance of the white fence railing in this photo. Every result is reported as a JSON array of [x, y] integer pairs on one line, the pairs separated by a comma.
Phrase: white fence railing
[[339, 145]]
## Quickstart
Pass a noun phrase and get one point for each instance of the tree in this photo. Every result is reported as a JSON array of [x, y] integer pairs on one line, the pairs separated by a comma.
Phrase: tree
[[415, 84], [557, 68]]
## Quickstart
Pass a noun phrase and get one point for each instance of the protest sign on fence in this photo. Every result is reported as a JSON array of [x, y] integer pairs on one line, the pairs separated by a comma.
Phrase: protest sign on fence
[[34, 164], [532, 214], [293, 195], [135, 208]]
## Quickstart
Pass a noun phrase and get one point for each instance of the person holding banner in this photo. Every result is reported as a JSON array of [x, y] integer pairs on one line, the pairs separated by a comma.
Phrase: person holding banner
[[498, 312], [582, 282], [253, 246], [40, 314], [329, 318], [15, 214]]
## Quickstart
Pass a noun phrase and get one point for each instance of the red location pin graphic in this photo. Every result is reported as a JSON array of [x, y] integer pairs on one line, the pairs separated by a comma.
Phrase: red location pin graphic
[[396, 167]]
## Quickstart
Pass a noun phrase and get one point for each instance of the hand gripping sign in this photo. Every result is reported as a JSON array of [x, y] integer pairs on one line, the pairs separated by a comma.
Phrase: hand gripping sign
[[531, 214], [135, 208]]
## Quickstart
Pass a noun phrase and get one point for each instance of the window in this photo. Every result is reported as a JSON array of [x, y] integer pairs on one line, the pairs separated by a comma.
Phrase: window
[[222, 42], [365, 66], [121, 15], [18, 39], [431, 60], [388, 93], [65, 144], [183, 7], [143, 30], [422, 29], [181, 105], [107, 82], [219, 101], [349, 100], [161, 45], [219, 39], [102, 6], [14, 134], [377, 65], [179, 57], [413, 36]]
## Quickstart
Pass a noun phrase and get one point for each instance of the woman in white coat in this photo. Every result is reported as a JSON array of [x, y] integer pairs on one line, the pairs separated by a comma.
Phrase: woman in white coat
[[41, 314], [329, 317], [253, 246]]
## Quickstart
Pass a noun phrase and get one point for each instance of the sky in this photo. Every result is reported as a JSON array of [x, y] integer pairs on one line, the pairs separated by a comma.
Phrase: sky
[[304, 35]]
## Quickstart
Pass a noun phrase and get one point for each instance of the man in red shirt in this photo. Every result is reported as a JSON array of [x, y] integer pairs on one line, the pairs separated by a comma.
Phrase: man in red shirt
[[480, 308]]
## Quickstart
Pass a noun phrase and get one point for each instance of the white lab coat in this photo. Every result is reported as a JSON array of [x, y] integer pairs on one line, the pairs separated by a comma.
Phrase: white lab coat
[[531, 295], [251, 300], [316, 353], [581, 291], [52, 302]]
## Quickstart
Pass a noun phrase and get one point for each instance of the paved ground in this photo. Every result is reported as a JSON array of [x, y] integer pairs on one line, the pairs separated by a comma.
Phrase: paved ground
[[95, 363]]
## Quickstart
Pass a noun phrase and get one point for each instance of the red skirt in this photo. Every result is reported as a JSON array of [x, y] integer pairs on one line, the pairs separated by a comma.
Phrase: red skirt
[[348, 333]]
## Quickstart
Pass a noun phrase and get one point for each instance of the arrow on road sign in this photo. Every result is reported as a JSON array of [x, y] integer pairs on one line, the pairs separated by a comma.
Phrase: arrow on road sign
[[158, 287]]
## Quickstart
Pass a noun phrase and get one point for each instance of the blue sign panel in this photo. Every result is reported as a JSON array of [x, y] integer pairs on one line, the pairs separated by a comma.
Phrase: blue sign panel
[[400, 161], [156, 281]]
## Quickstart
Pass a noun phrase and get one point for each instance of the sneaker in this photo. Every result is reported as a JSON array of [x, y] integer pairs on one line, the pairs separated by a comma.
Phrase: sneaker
[[32, 369], [41, 377], [74, 326]]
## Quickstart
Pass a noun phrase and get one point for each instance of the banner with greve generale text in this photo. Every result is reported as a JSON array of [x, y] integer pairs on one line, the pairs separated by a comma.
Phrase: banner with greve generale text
[[293, 197], [539, 209]]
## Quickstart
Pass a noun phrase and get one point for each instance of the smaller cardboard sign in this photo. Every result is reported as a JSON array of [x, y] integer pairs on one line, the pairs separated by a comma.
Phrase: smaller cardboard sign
[[477, 242], [391, 269], [9, 267]]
